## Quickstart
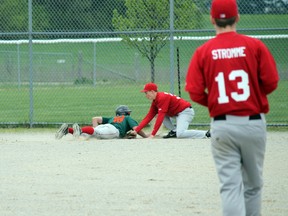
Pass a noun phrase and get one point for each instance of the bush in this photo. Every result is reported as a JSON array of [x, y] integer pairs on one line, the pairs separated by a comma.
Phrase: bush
[[83, 81]]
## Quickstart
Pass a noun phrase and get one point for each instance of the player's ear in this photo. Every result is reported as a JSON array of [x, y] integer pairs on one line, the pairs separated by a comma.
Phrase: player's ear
[[212, 20], [237, 18]]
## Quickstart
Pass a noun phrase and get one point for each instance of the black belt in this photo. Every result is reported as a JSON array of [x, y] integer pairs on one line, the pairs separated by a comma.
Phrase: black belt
[[223, 117]]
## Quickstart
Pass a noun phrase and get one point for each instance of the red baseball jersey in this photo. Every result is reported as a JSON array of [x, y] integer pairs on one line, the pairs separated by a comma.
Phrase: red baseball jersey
[[232, 74], [164, 104]]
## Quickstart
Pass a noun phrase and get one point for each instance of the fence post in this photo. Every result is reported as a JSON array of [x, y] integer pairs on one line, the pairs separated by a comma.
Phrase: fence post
[[30, 64], [171, 46], [18, 65], [94, 64], [80, 62]]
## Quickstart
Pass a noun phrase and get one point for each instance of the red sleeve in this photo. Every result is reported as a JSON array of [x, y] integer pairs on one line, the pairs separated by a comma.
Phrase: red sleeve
[[150, 115], [162, 102], [158, 123], [195, 82]]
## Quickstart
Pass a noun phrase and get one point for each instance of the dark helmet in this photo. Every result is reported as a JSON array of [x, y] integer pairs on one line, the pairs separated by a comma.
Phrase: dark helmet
[[123, 110]]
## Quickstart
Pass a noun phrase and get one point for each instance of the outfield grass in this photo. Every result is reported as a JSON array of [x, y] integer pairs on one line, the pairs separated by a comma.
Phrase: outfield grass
[[78, 103], [54, 105], [118, 57], [110, 56]]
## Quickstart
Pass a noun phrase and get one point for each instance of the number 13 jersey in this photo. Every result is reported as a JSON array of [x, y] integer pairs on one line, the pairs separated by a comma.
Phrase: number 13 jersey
[[239, 72]]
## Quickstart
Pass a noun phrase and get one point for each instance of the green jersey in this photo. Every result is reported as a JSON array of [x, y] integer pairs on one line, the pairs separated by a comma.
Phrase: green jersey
[[122, 123]]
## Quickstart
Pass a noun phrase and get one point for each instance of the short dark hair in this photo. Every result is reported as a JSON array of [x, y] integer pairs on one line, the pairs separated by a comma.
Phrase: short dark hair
[[225, 22]]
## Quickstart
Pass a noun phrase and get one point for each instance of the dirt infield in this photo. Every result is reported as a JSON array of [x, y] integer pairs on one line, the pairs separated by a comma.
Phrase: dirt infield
[[43, 176]]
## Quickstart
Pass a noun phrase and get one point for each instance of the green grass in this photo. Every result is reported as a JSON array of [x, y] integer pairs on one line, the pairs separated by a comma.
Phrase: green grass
[[78, 103], [117, 56], [57, 104]]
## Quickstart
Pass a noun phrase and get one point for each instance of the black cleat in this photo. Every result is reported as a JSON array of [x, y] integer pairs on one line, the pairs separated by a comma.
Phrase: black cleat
[[208, 134], [171, 134]]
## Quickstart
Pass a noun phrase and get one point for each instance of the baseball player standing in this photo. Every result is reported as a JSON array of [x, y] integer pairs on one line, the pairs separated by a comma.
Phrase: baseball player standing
[[232, 74]]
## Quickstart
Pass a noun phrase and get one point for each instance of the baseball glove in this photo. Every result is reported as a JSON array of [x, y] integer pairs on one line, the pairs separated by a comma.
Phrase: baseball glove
[[131, 134]]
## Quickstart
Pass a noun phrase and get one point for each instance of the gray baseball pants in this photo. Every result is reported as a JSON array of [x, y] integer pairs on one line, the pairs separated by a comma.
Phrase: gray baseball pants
[[238, 148], [183, 119]]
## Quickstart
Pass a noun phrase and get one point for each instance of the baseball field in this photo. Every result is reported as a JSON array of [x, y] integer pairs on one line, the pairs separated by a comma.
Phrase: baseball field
[[43, 176]]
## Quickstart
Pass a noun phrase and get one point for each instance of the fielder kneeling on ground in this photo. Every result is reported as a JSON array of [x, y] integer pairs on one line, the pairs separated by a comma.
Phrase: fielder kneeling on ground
[[119, 126], [166, 106]]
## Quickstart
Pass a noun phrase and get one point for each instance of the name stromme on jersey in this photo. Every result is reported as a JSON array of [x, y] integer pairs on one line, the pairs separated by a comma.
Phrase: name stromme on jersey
[[236, 52]]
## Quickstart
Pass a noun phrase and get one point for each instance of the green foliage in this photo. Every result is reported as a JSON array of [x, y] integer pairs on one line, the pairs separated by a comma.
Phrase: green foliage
[[102, 12], [14, 16], [153, 15], [260, 22], [64, 15], [83, 81], [69, 14], [187, 15]]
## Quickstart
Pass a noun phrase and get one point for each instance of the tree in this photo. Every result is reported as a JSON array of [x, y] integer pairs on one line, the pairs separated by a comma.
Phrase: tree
[[68, 15], [251, 6], [102, 12], [14, 17], [80, 15], [152, 16]]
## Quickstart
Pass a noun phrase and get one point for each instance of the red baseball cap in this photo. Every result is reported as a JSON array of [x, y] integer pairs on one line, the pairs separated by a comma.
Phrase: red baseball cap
[[150, 87], [224, 9]]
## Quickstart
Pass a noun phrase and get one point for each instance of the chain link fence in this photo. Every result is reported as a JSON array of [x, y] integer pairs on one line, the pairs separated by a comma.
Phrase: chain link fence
[[66, 61]]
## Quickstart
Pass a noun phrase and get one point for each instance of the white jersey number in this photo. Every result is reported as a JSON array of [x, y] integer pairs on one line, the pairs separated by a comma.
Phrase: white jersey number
[[242, 84]]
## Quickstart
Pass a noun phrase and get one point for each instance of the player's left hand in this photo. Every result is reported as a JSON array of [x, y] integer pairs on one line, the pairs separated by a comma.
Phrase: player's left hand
[[131, 134]]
